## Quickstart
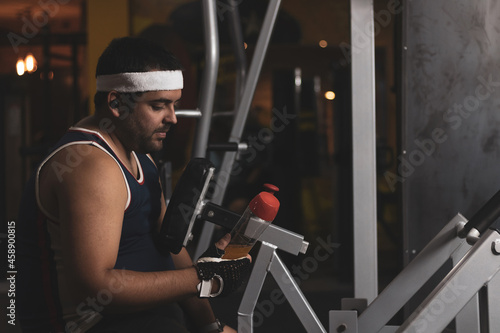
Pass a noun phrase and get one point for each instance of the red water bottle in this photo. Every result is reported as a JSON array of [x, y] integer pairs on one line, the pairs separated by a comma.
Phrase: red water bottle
[[257, 217]]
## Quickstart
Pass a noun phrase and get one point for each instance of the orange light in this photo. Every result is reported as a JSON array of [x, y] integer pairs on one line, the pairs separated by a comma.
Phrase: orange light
[[30, 62], [330, 95], [323, 43], [20, 68]]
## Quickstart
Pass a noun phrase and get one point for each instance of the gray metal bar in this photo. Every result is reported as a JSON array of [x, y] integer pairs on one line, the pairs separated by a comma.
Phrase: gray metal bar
[[188, 113], [254, 73], [364, 144], [493, 303], [468, 319], [475, 270], [240, 119], [254, 287], [295, 297], [239, 50], [268, 261], [284, 239], [414, 275], [209, 81]]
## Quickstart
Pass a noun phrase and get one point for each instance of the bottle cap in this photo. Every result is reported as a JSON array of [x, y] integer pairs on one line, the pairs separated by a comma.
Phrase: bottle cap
[[265, 205]]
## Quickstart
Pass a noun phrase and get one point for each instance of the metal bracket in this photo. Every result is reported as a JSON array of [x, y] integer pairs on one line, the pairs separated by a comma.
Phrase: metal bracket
[[268, 261], [343, 321]]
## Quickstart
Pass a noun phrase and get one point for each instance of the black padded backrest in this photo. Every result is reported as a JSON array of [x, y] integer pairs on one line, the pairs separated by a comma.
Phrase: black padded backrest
[[183, 205]]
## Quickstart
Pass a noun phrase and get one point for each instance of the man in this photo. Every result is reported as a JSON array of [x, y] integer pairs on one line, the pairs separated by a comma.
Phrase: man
[[87, 258]]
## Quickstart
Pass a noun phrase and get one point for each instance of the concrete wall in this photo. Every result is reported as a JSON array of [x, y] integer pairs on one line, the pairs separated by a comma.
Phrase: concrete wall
[[450, 156]]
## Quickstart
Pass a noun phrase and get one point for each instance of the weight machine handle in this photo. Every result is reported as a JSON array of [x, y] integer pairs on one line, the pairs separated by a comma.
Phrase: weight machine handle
[[227, 146], [484, 218], [220, 216]]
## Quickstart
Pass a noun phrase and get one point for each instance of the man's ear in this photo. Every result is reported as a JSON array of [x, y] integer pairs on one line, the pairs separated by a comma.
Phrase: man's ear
[[114, 101]]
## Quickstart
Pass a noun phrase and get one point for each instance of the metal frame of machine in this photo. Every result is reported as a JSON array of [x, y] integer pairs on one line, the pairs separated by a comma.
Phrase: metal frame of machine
[[457, 296]]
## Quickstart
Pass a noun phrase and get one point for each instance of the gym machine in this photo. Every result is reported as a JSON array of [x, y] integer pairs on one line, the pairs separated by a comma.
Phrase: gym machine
[[473, 246], [194, 183], [274, 238], [468, 293]]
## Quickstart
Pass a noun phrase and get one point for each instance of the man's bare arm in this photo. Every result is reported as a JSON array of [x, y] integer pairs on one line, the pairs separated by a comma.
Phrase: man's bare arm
[[91, 201]]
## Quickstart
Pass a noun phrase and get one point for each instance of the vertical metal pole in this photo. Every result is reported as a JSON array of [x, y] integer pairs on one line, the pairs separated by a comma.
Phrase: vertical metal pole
[[254, 287], [364, 167], [209, 81], [253, 75], [236, 34], [241, 117]]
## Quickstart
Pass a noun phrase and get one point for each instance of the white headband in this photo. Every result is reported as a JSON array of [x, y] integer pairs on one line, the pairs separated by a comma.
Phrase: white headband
[[141, 81]]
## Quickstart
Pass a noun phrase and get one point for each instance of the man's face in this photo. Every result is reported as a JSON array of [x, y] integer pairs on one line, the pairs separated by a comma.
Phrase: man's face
[[144, 129]]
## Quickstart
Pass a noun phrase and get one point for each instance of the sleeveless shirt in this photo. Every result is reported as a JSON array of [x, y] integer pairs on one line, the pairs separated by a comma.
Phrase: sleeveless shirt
[[42, 301]]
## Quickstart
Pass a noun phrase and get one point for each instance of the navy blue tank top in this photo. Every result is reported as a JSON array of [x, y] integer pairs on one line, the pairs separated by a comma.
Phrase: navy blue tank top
[[42, 301]]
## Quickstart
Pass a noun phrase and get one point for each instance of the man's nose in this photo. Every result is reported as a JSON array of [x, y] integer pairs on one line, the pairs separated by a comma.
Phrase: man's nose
[[170, 117]]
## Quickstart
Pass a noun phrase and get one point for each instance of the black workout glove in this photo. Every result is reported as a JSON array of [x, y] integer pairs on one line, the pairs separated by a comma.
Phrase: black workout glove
[[229, 272]]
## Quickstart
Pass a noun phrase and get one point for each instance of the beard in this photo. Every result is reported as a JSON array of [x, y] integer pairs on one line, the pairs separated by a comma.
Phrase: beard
[[149, 146], [146, 144], [141, 140]]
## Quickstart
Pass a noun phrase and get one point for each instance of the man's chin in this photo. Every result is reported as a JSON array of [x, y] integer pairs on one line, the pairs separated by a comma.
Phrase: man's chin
[[153, 147]]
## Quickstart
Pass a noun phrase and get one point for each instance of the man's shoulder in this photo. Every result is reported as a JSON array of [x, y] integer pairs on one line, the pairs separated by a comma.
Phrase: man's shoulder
[[78, 173], [81, 160]]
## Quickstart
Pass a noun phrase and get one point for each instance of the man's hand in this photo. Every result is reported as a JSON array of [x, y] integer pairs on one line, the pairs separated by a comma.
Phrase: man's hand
[[224, 275]]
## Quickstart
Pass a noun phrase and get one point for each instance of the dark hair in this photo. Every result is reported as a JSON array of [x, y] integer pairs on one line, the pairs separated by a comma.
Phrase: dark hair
[[132, 54]]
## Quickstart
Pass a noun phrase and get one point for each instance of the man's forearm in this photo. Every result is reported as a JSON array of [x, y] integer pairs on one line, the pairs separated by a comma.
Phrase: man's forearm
[[126, 290]]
